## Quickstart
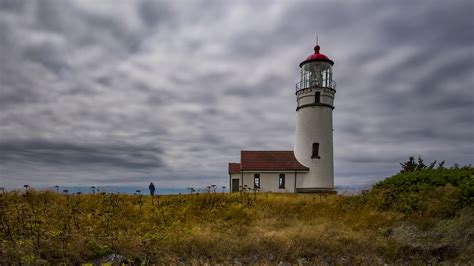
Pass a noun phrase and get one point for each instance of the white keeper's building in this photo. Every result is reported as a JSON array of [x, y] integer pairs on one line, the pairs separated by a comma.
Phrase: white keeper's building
[[310, 167]]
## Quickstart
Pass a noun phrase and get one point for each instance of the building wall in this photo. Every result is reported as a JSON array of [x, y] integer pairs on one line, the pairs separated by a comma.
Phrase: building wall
[[269, 181], [314, 125], [300, 180]]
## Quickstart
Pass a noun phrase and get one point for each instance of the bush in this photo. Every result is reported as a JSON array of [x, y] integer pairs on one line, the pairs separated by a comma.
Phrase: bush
[[426, 191]]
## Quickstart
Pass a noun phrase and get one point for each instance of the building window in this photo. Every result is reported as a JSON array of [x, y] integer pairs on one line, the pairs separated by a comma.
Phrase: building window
[[256, 181], [315, 153], [317, 97], [281, 181]]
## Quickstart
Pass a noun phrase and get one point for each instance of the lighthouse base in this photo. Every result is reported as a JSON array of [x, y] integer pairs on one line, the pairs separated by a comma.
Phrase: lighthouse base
[[316, 190]]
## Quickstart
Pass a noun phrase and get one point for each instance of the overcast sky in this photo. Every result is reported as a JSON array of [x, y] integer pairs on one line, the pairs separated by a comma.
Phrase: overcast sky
[[125, 92]]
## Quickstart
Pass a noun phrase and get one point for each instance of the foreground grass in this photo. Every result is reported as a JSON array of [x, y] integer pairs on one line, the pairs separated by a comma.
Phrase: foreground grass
[[47, 227]]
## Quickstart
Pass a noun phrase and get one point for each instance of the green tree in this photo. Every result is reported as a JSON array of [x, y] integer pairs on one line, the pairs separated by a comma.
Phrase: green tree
[[409, 166]]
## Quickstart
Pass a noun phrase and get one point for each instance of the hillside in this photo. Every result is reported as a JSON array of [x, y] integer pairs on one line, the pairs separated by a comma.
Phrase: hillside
[[420, 216]]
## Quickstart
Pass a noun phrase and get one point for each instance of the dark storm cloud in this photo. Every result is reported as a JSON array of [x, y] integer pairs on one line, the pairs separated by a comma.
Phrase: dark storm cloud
[[154, 13], [268, 86], [442, 27], [16, 95], [47, 55], [176, 89], [54, 153], [12, 5]]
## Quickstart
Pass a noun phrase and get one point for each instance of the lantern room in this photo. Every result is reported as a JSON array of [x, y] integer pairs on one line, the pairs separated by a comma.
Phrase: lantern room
[[316, 71]]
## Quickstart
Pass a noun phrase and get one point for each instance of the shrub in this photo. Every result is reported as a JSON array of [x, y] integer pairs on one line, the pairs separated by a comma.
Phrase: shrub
[[426, 191]]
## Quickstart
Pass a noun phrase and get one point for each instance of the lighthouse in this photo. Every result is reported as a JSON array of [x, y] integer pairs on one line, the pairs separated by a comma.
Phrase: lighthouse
[[309, 168], [314, 129]]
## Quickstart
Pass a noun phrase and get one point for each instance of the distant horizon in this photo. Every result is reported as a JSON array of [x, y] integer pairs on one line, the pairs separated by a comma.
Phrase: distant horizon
[[159, 190], [356, 184]]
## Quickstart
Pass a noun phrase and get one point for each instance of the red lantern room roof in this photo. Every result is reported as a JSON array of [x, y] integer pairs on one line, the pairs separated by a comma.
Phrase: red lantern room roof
[[317, 56]]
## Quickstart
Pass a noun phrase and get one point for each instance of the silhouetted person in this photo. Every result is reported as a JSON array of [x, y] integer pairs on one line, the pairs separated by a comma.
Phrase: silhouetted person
[[151, 187]]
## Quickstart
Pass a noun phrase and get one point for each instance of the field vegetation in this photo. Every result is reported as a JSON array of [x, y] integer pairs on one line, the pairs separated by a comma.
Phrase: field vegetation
[[421, 215]]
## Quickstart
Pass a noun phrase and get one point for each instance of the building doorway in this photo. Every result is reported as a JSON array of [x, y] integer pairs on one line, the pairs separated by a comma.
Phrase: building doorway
[[235, 185]]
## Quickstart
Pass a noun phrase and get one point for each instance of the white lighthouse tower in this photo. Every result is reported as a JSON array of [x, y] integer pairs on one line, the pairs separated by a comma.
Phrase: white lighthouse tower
[[314, 142]]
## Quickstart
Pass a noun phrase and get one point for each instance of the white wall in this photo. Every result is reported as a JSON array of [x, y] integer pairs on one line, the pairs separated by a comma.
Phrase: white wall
[[314, 124], [269, 181], [307, 96]]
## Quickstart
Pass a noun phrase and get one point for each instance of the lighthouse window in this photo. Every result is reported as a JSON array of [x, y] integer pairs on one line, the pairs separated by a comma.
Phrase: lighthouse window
[[315, 153], [317, 97], [316, 74], [281, 181], [326, 77], [256, 181]]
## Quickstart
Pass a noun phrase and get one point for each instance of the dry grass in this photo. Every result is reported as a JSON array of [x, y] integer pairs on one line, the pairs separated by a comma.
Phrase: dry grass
[[46, 227]]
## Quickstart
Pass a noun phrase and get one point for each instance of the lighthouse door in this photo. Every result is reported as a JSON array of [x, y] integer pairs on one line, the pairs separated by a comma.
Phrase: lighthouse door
[[235, 185]]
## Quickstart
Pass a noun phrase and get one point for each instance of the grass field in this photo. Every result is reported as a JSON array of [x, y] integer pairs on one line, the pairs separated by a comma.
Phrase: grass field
[[383, 226]]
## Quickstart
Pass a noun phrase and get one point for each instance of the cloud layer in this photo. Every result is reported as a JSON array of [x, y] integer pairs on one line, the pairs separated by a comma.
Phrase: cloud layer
[[120, 93]]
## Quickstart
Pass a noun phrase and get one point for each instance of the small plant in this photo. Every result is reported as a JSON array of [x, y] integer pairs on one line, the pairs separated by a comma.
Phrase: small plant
[[255, 189], [191, 190], [26, 188]]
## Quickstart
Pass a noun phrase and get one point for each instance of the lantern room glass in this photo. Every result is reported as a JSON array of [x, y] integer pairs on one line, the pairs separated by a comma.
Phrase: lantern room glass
[[316, 74]]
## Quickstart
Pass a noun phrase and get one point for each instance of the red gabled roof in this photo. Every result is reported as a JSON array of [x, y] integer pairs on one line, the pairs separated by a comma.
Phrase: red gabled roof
[[234, 168], [269, 161]]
